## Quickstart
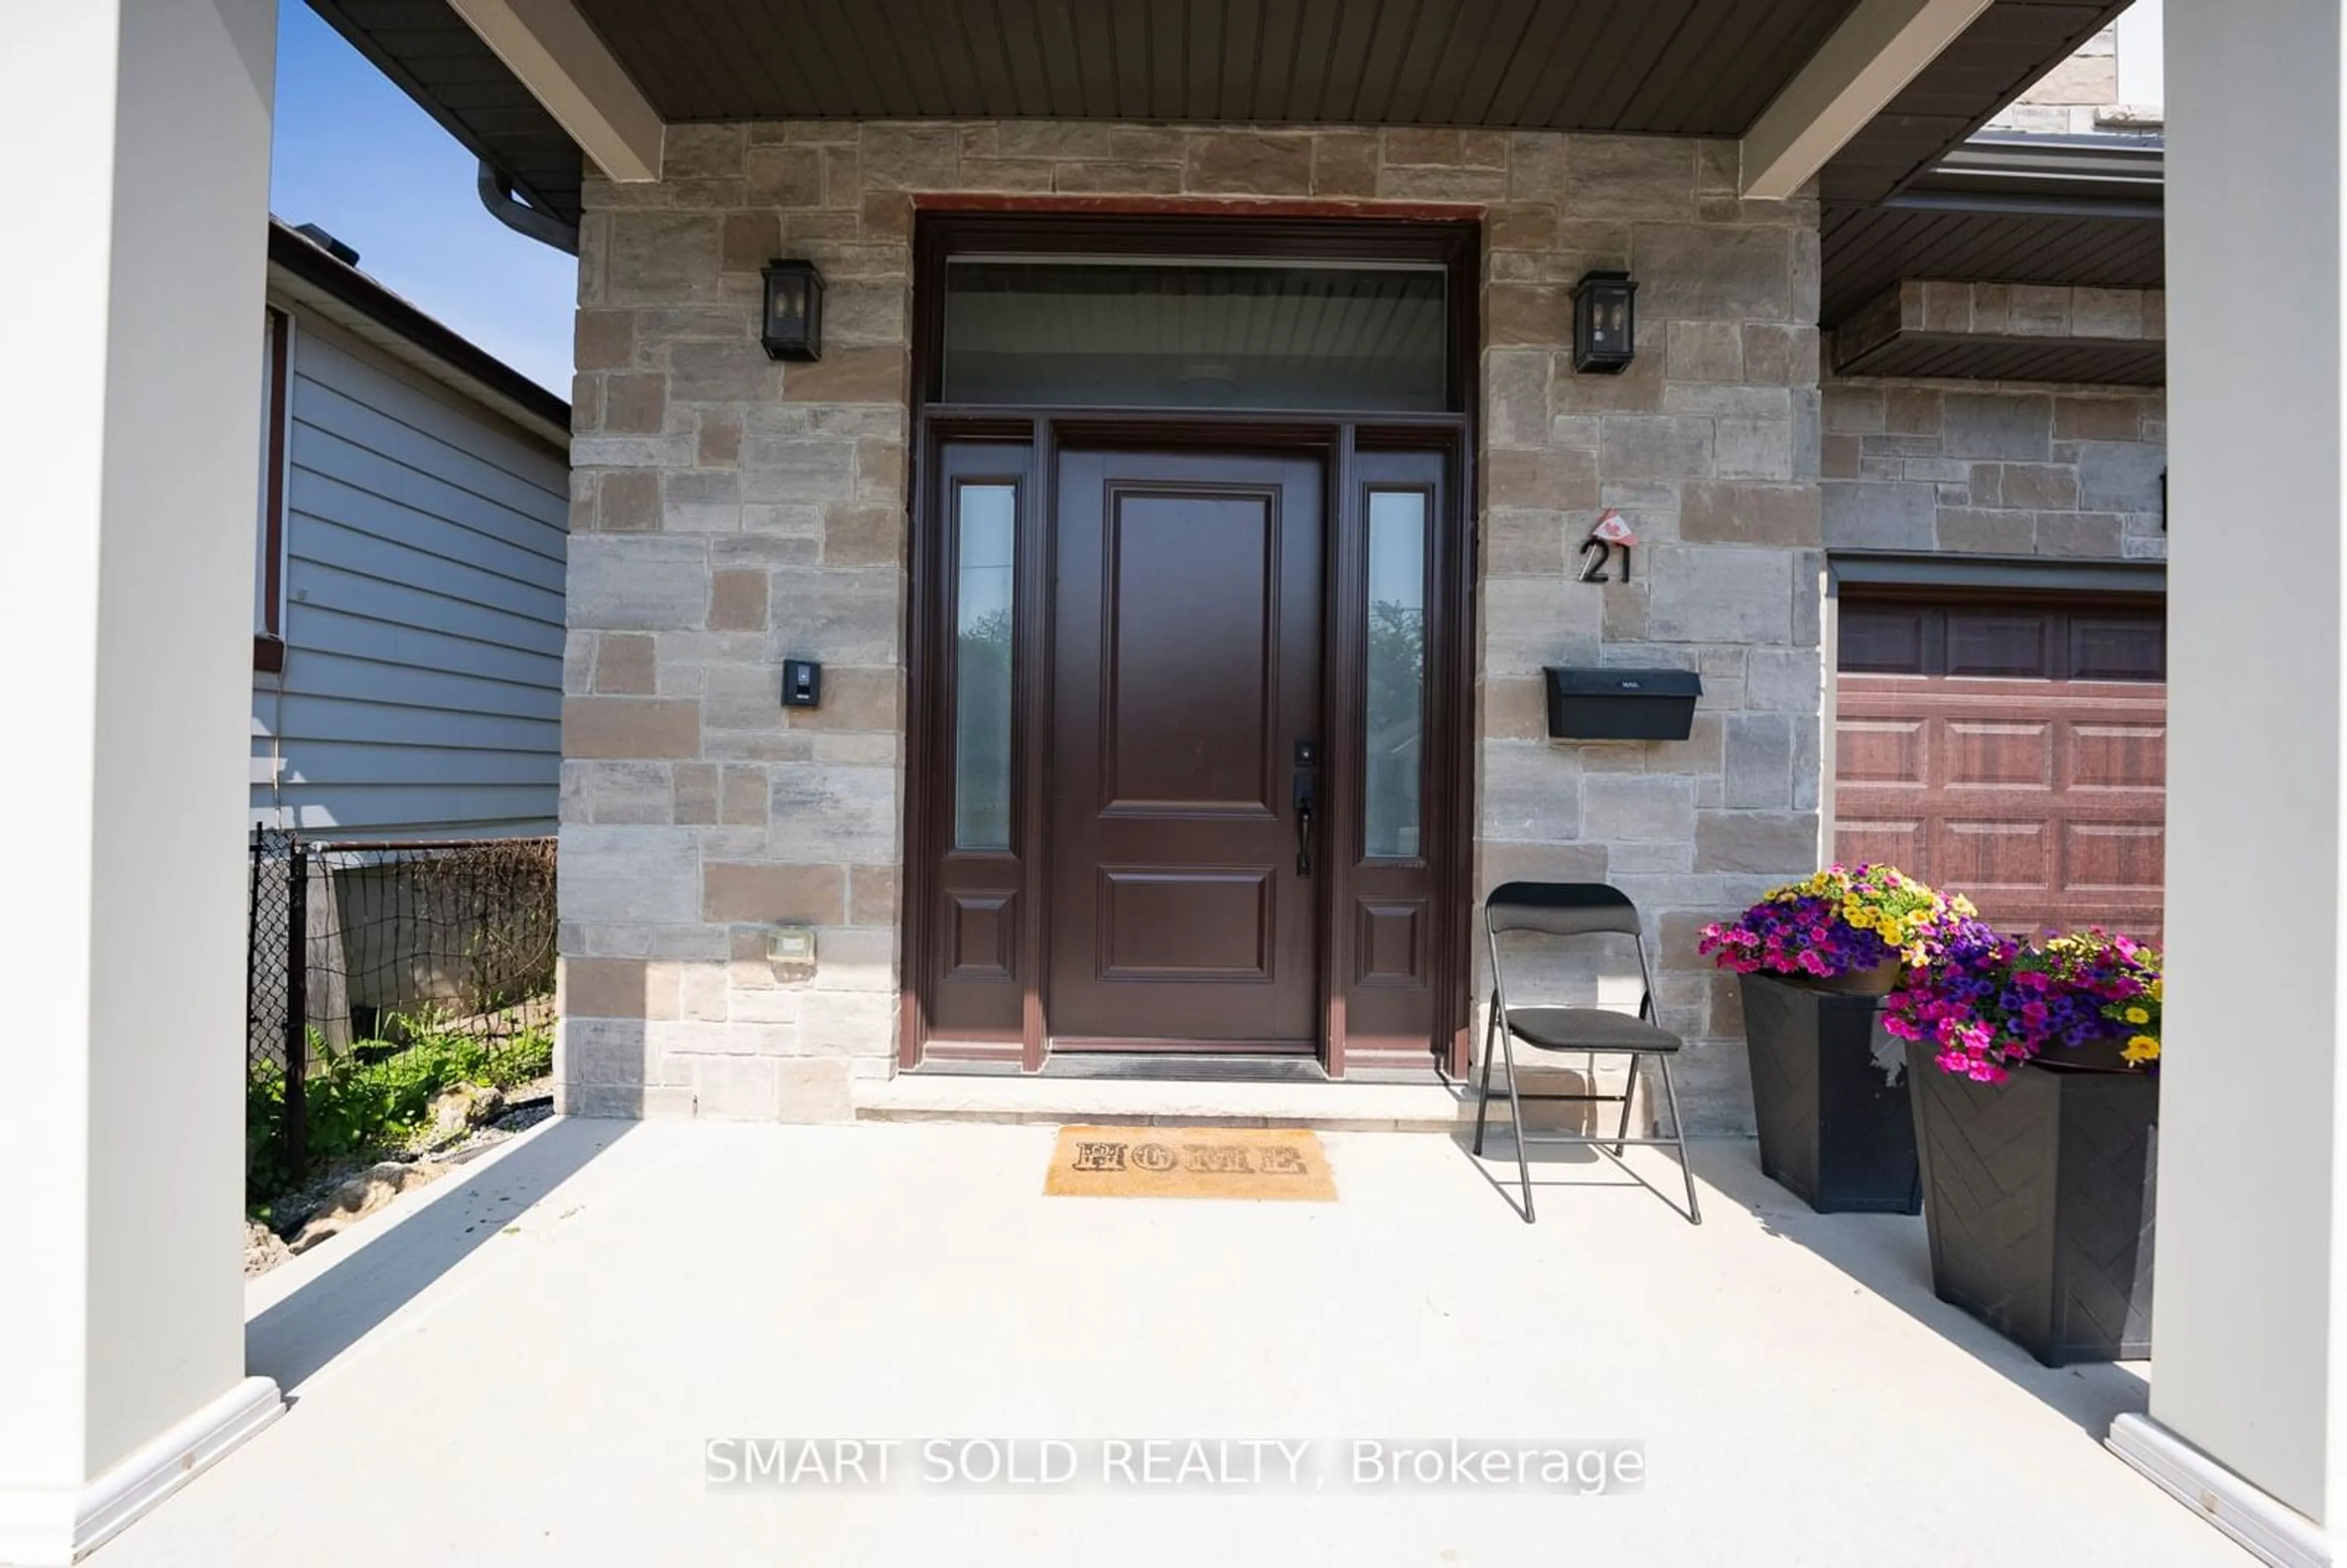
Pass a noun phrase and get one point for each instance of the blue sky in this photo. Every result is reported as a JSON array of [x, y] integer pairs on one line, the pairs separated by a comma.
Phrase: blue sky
[[354, 155]]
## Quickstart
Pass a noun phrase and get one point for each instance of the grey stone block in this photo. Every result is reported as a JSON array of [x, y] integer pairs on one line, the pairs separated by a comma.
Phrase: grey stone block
[[1776, 844], [661, 258], [1782, 679], [1760, 765], [1531, 792], [1862, 516], [1754, 449], [1529, 623], [1704, 350], [1853, 410], [2120, 475], [1976, 530], [2093, 534], [1655, 447], [617, 792], [602, 1053], [1715, 271], [1628, 177], [1515, 396], [839, 615], [2042, 486], [636, 582], [629, 874], [1637, 807], [797, 469], [2019, 427], [722, 372], [823, 813], [1719, 594]]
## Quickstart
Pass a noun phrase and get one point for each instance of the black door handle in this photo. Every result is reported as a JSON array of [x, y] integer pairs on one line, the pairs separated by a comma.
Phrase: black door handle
[[1306, 787]]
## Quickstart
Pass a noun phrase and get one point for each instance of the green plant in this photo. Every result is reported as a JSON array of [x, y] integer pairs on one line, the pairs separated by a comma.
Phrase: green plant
[[378, 1092]]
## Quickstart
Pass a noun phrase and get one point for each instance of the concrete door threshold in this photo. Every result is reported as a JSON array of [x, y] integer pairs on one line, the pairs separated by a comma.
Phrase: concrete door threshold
[[1329, 1107]]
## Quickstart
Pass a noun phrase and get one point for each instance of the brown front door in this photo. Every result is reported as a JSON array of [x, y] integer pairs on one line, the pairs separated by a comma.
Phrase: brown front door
[[1187, 731]]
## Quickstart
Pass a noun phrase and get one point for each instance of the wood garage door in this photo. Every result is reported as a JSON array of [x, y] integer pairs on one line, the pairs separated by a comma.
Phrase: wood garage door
[[2012, 752]]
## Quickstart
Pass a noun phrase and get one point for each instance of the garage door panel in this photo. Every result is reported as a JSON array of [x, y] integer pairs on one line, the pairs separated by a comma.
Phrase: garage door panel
[[1888, 842], [1879, 751], [2015, 752], [2113, 856], [2132, 757], [1999, 755], [1989, 857]]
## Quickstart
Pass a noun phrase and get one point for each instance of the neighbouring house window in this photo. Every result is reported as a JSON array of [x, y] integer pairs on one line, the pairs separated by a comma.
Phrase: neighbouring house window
[[269, 535], [1397, 672], [985, 531], [1134, 333]]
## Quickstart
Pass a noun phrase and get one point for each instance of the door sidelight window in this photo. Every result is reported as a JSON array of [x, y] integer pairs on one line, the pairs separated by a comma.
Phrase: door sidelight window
[[1397, 674], [985, 550]]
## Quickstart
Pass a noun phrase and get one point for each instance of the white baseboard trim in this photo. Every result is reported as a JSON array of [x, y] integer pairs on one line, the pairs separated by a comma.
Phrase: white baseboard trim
[[54, 1527], [2272, 1530]]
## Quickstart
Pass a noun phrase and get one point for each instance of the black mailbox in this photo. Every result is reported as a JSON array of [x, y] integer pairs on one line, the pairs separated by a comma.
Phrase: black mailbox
[[1622, 705]]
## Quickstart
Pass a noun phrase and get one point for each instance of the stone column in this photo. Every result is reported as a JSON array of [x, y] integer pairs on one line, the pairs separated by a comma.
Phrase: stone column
[[134, 269], [2249, 1388]]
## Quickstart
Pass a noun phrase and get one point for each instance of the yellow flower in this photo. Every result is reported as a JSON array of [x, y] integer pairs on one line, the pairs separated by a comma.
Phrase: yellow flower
[[2137, 1015], [2141, 1048]]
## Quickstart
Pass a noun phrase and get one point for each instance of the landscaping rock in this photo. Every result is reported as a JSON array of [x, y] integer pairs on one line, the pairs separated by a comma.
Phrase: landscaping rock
[[458, 1110], [364, 1194], [263, 1249]]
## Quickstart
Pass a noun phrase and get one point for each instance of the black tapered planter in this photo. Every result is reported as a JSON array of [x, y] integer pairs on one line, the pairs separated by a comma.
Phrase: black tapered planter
[[1834, 1130], [2038, 1198]]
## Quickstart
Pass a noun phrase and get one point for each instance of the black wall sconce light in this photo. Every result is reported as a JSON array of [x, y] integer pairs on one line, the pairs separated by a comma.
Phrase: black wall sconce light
[[794, 324], [1605, 323]]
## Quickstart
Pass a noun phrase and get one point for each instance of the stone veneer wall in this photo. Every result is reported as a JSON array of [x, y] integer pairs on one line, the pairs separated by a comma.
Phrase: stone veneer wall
[[728, 511], [1983, 468]]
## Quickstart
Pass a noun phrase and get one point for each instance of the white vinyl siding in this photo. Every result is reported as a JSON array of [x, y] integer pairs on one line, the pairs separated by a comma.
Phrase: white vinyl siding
[[425, 538]]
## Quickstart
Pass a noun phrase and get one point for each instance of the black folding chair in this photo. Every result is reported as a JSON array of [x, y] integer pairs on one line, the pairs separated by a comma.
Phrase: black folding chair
[[1566, 911]]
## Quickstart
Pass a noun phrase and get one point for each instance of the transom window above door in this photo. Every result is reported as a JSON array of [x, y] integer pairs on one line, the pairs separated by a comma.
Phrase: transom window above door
[[1173, 333]]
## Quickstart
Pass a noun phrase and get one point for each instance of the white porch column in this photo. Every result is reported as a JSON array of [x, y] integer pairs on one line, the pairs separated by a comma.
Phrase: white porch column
[[2249, 1401], [131, 265]]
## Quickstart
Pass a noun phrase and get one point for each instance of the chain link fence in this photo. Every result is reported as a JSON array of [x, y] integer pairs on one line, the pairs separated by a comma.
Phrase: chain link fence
[[358, 950]]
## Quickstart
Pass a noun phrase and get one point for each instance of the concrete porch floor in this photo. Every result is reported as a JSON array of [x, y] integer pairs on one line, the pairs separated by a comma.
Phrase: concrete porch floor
[[521, 1364]]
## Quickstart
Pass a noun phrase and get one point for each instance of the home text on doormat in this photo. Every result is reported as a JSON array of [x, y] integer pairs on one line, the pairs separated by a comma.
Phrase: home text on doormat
[[1190, 1163]]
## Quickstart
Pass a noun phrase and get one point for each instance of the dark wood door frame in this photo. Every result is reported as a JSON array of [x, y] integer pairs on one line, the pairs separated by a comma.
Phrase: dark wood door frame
[[1022, 445], [1026, 447]]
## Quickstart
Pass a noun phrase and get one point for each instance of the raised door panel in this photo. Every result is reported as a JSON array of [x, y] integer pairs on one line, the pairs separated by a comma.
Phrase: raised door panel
[[1190, 698], [1187, 656]]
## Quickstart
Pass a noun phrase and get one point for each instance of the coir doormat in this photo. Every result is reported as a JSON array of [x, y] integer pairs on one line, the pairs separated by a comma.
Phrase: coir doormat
[[1190, 1163]]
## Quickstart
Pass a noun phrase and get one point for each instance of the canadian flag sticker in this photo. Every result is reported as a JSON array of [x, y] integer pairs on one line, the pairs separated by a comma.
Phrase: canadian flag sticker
[[1613, 530]]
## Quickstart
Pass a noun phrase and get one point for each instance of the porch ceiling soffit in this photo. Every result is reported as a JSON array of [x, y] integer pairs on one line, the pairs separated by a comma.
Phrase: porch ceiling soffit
[[2084, 212], [1991, 63], [428, 53], [1877, 50], [1688, 67], [552, 48], [1699, 67]]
